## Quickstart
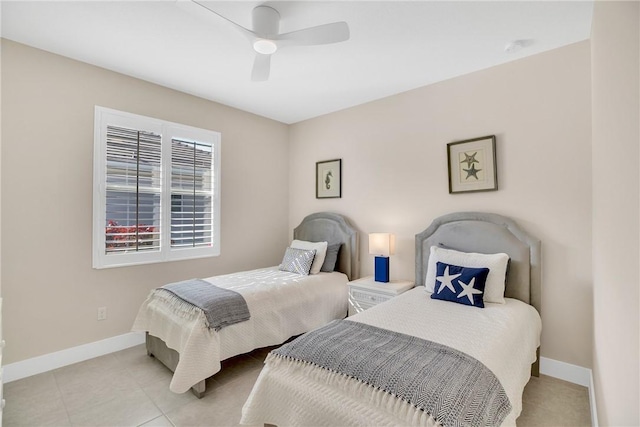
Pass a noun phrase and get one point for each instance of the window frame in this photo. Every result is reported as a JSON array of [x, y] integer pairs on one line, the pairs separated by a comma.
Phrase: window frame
[[168, 131]]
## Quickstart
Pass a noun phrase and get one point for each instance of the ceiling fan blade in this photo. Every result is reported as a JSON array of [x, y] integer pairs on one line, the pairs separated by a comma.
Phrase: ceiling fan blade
[[261, 67], [322, 34], [203, 12]]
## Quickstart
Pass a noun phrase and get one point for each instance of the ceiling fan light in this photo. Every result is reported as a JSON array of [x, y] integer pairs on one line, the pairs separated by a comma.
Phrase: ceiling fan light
[[265, 47]]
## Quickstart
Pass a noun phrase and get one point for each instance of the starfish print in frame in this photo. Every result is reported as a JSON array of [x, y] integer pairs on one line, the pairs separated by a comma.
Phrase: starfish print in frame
[[472, 172], [470, 159]]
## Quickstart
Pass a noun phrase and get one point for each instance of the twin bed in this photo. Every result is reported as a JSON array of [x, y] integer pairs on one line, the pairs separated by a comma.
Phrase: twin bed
[[503, 337], [282, 304], [413, 360]]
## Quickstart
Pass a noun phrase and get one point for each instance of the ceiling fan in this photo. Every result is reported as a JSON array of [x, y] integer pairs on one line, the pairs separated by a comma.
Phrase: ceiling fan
[[267, 40]]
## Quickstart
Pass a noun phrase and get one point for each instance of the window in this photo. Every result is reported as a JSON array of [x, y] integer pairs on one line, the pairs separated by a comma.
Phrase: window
[[156, 190]]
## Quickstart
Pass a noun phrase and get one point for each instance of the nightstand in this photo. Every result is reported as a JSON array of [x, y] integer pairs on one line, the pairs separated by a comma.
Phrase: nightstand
[[365, 293]]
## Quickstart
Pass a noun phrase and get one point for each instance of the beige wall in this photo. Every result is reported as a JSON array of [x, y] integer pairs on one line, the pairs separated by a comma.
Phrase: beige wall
[[51, 292], [616, 155], [395, 172]]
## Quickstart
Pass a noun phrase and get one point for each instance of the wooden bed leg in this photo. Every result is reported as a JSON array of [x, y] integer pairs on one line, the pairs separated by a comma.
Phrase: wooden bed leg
[[198, 389], [535, 367]]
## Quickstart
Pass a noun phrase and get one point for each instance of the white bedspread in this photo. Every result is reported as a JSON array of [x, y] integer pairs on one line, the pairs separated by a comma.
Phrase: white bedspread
[[502, 336], [281, 304]]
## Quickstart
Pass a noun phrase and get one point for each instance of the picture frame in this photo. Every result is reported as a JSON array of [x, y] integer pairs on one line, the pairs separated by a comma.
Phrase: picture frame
[[472, 165], [329, 179]]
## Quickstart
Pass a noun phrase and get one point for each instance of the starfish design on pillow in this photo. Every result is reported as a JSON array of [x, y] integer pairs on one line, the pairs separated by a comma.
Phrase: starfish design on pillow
[[468, 290], [446, 279]]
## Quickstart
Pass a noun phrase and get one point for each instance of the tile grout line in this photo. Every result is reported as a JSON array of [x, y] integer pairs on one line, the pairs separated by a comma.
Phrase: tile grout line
[[121, 366], [162, 413], [64, 402]]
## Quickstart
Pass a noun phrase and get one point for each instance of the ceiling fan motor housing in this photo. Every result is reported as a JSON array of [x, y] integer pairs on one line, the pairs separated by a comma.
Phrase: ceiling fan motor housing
[[266, 21]]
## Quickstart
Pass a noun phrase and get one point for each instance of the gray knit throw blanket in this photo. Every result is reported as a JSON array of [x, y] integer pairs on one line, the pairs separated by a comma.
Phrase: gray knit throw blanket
[[451, 386], [222, 307]]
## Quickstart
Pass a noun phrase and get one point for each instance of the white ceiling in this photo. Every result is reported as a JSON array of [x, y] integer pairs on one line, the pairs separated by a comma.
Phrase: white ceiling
[[394, 46]]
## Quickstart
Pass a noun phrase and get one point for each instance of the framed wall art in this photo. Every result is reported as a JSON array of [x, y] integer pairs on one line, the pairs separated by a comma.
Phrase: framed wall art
[[472, 165], [329, 179]]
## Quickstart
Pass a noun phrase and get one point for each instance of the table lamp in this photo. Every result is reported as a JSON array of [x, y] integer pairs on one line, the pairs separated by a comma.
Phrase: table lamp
[[381, 245]]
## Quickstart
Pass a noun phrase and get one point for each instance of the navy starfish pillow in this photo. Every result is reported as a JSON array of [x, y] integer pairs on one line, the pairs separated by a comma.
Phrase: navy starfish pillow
[[464, 285]]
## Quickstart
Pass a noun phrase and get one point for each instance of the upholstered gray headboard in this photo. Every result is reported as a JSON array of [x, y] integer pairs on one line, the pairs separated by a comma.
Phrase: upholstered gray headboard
[[487, 233], [333, 228]]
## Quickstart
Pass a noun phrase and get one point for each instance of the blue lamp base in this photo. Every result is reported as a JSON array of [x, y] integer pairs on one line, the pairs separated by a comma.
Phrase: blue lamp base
[[382, 269]]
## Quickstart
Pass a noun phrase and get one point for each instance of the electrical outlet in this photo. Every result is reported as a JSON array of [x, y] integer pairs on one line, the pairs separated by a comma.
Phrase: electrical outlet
[[102, 313]]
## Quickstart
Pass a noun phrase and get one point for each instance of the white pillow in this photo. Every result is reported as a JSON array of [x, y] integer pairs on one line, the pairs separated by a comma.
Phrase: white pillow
[[321, 252], [496, 263]]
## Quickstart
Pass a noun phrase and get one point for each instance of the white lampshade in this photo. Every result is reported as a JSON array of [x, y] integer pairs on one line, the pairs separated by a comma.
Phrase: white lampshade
[[381, 244]]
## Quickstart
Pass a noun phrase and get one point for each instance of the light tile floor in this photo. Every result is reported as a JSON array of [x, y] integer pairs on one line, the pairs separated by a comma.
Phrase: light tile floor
[[128, 388]]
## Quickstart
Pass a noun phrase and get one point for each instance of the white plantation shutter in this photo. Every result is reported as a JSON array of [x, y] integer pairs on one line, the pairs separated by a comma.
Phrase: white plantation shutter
[[191, 194], [156, 190], [133, 179]]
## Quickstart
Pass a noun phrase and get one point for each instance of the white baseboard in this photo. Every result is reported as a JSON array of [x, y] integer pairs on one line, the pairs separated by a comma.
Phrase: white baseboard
[[51, 361], [573, 374], [565, 371]]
